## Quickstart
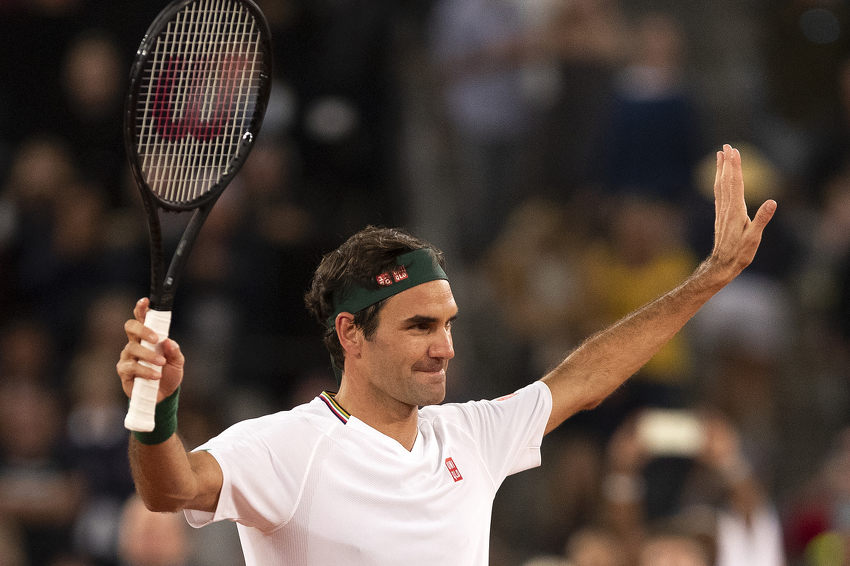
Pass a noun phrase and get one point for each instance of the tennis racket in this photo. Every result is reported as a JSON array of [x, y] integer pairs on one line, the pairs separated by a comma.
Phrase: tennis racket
[[198, 91]]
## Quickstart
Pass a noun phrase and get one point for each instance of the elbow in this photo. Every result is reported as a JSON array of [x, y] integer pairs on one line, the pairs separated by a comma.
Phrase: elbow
[[163, 504], [591, 405]]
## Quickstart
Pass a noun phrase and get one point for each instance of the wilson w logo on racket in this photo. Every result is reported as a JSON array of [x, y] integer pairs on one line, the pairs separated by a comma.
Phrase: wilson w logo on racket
[[198, 92], [197, 97]]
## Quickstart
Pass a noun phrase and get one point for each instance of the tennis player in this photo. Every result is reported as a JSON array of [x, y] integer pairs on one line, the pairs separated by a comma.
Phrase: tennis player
[[365, 476]]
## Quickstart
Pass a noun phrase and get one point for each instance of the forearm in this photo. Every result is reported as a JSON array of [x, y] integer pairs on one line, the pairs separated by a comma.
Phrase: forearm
[[170, 479], [604, 361]]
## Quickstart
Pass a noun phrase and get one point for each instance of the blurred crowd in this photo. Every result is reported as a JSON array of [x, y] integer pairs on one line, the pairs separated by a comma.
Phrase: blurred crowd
[[561, 153]]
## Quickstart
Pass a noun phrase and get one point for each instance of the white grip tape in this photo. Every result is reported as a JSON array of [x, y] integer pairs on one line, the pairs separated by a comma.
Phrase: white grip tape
[[140, 416]]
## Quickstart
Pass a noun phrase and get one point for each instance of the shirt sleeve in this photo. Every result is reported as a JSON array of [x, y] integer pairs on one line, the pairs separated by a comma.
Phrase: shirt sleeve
[[509, 430], [261, 488]]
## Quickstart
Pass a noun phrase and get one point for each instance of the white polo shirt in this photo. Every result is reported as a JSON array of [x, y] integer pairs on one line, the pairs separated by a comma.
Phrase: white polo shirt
[[314, 486]]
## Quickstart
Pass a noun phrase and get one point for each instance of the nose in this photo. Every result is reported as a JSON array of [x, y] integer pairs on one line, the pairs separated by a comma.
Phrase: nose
[[442, 346]]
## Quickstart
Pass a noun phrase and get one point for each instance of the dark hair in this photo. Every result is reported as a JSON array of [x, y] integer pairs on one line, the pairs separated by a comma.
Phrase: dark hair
[[358, 261]]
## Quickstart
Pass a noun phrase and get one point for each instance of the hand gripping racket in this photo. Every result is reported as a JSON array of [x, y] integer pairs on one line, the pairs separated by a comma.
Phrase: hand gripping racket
[[198, 91]]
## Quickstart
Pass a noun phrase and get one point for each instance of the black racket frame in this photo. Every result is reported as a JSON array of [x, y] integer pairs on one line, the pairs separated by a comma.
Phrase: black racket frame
[[164, 284]]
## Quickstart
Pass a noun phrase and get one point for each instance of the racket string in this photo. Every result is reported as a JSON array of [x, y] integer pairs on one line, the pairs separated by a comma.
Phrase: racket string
[[202, 84]]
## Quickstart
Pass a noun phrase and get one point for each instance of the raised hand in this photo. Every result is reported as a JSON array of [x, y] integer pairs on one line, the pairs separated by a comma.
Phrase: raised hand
[[736, 237], [170, 362]]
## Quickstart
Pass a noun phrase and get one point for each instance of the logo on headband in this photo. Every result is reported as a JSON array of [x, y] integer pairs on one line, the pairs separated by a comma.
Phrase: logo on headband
[[389, 277]]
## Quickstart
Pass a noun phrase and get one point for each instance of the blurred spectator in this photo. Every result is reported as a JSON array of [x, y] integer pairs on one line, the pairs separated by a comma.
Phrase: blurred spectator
[[147, 538], [593, 546], [720, 504], [642, 255], [38, 489], [241, 300], [817, 523], [670, 548], [94, 82], [42, 165], [336, 77], [542, 512], [479, 48], [534, 268], [653, 134], [830, 154], [34, 36], [824, 280], [152, 539], [12, 551], [61, 253], [27, 353], [805, 43], [96, 439], [586, 40]]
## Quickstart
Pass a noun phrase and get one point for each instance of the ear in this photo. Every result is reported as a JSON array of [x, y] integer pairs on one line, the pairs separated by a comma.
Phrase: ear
[[349, 335]]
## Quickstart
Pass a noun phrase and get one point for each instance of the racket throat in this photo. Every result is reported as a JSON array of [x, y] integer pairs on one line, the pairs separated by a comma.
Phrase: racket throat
[[162, 298]]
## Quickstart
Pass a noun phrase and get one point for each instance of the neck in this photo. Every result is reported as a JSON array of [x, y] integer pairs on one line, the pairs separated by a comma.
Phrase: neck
[[388, 416]]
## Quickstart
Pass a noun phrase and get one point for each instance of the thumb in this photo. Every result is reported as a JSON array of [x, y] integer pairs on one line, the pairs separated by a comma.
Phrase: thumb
[[763, 215]]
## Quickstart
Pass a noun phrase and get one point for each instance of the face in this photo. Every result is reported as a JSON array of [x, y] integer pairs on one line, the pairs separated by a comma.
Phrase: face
[[672, 551], [407, 357]]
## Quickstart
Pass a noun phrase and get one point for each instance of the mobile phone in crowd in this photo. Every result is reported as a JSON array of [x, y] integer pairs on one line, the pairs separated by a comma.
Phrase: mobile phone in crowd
[[671, 432]]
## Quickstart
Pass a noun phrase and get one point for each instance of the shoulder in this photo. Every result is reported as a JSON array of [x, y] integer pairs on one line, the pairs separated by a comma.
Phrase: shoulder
[[303, 423], [522, 400]]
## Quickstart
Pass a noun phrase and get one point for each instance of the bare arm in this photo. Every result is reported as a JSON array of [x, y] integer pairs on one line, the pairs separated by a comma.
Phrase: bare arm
[[167, 478], [604, 361]]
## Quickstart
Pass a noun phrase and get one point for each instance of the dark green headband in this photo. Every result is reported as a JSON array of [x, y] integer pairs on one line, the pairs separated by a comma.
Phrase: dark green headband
[[412, 269]]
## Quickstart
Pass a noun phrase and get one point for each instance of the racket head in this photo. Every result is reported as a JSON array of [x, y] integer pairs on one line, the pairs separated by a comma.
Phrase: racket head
[[198, 91]]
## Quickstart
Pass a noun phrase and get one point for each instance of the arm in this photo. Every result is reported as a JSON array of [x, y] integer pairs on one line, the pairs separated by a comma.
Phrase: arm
[[604, 361], [167, 478]]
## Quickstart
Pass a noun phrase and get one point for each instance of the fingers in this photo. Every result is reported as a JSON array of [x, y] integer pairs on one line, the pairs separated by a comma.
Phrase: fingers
[[136, 332], [135, 328], [733, 174], [729, 179], [172, 353], [736, 236], [129, 365], [730, 175], [139, 361], [134, 352], [141, 308]]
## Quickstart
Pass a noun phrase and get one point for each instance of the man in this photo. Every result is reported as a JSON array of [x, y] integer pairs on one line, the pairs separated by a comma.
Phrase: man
[[365, 476]]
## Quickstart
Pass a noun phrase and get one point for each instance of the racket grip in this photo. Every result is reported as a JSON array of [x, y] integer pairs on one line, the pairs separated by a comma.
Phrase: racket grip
[[140, 416]]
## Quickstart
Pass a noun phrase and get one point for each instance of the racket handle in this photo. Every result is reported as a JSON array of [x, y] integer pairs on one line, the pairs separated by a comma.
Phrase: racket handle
[[140, 416]]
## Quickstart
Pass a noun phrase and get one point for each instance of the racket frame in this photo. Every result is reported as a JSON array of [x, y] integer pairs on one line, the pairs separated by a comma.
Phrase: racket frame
[[164, 284], [140, 416]]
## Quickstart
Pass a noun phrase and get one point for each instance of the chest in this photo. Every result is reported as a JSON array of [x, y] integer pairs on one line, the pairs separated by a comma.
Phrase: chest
[[374, 504]]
